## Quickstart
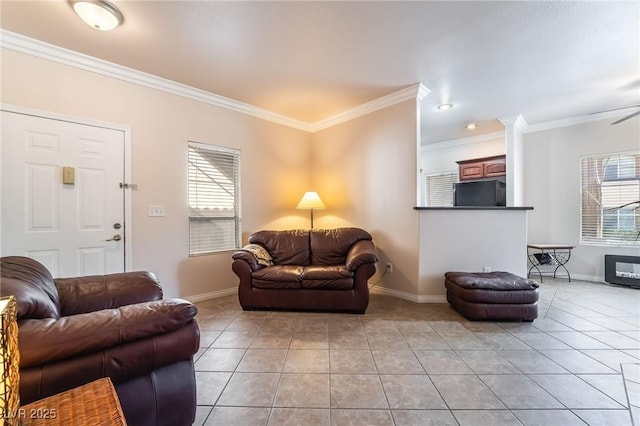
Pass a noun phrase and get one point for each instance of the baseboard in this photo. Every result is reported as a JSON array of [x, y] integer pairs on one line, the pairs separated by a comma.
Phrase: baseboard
[[380, 290], [578, 277], [582, 277], [409, 296], [212, 295]]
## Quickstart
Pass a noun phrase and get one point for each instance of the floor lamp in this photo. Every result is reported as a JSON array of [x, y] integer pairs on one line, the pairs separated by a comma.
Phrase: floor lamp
[[310, 201]]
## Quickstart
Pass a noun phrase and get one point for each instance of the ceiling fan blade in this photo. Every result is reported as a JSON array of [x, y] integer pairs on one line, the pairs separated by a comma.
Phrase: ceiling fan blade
[[626, 117], [614, 109]]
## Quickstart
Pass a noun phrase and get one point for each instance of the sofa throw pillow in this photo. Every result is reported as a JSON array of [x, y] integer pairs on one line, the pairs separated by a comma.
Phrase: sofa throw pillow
[[260, 253]]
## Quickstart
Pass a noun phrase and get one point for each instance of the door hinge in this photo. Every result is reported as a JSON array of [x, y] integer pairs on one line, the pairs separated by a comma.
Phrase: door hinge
[[133, 186]]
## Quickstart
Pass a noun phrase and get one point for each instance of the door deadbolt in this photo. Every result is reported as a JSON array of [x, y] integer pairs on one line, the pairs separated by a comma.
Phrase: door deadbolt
[[117, 226], [116, 237]]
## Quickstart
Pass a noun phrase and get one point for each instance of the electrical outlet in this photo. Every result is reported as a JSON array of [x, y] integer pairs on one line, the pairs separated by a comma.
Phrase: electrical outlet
[[486, 269], [390, 267], [155, 211]]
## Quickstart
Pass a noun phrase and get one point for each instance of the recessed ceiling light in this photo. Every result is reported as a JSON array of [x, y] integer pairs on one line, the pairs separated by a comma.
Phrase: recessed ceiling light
[[98, 14], [472, 126], [444, 107]]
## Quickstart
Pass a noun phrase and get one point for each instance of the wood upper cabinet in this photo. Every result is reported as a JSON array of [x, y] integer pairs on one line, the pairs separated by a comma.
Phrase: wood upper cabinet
[[481, 168], [473, 170]]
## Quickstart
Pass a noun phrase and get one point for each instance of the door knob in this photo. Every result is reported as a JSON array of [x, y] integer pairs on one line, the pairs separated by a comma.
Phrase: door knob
[[116, 237]]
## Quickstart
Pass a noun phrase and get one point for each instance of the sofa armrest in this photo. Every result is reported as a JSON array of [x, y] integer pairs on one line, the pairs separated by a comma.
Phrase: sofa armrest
[[360, 253], [255, 255], [47, 340], [93, 293], [247, 257]]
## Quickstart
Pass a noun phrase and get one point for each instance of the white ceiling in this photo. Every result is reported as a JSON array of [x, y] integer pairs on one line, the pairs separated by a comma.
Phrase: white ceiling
[[546, 60]]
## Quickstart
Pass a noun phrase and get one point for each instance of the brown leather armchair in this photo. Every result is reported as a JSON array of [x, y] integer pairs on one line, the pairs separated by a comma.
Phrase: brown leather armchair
[[76, 330]]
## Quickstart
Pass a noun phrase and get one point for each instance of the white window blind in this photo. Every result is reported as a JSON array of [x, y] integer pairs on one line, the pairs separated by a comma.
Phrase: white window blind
[[611, 199], [439, 189], [214, 198]]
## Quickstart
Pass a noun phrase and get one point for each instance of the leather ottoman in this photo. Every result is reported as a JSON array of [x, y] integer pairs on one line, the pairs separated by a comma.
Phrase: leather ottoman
[[492, 295]]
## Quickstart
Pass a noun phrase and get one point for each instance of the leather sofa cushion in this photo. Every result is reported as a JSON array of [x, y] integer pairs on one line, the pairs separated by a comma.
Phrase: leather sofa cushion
[[330, 246], [501, 281], [285, 247], [278, 276], [319, 272], [336, 277], [33, 286]]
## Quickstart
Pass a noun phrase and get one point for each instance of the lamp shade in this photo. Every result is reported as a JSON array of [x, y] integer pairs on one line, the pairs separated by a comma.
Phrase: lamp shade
[[311, 200], [9, 361], [99, 14]]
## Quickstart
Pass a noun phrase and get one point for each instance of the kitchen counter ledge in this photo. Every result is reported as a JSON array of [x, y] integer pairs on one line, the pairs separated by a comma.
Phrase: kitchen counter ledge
[[473, 208]]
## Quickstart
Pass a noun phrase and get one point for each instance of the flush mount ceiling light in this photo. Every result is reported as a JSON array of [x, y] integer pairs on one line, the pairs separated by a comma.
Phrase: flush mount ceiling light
[[444, 107], [471, 126], [99, 14]]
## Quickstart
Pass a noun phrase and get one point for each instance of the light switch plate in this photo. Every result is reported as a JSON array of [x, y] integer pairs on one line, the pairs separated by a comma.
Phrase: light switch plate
[[156, 211]]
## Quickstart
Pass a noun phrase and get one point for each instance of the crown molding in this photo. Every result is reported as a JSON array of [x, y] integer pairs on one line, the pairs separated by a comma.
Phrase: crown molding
[[416, 91], [517, 121], [40, 49], [529, 128], [462, 141], [572, 121], [422, 91], [33, 47]]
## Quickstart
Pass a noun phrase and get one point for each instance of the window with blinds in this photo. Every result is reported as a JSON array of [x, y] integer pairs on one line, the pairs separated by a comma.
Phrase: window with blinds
[[214, 198], [439, 189], [611, 199]]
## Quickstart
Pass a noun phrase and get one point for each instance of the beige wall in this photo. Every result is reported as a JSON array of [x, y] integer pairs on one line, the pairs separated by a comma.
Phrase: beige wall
[[275, 161], [365, 171], [552, 186], [469, 241]]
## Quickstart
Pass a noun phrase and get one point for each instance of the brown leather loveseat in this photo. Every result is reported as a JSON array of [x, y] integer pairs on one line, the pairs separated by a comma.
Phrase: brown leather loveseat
[[76, 330], [318, 269]]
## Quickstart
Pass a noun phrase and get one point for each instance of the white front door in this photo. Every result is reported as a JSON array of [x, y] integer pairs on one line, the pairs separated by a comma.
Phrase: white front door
[[61, 198]]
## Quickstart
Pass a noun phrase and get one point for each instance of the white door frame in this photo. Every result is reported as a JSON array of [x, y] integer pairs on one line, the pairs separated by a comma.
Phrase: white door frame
[[128, 247]]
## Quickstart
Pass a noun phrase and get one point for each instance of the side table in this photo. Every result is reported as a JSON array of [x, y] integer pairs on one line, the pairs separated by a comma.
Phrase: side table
[[95, 403], [553, 255]]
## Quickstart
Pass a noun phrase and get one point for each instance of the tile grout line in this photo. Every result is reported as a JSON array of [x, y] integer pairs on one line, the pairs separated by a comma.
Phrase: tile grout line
[[626, 391], [546, 332]]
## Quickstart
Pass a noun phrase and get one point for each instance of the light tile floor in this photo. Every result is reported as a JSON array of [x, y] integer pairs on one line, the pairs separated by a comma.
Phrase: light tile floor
[[404, 363]]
